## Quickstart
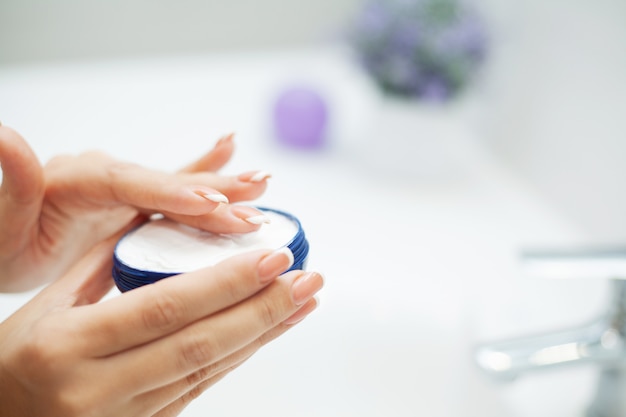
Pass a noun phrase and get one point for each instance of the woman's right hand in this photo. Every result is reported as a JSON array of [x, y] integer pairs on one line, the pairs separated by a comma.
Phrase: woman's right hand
[[150, 351], [52, 215]]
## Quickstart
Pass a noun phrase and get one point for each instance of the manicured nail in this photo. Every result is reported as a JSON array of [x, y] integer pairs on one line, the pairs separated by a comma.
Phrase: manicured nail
[[306, 286], [156, 216], [254, 176], [250, 215], [274, 264], [214, 197], [225, 139], [260, 219], [303, 311]]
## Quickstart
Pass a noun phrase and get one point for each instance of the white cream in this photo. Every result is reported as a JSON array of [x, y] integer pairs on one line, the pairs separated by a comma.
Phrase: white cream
[[166, 246]]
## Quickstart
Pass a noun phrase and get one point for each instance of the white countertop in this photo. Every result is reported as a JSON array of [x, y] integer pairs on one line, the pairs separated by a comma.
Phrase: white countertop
[[418, 268]]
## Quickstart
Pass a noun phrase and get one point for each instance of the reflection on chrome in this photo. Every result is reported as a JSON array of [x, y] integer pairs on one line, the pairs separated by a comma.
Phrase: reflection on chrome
[[494, 361], [556, 354], [511, 358], [611, 339], [582, 263], [602, 342]]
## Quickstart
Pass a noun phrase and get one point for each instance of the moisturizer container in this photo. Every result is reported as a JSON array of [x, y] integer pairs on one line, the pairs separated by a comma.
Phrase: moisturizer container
[[162, 248]]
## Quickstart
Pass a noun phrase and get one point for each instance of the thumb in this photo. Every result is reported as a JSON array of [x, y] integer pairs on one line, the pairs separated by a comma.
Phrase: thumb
[[22, 189]]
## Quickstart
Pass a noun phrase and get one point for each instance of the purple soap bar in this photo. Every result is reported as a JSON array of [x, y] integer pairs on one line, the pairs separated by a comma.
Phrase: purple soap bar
[[300, 117]]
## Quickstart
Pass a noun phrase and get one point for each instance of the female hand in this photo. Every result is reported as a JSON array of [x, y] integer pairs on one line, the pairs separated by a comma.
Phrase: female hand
[[63, 355], [51, 216]]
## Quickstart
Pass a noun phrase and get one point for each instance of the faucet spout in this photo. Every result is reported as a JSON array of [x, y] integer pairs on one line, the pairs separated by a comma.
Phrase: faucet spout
[[597, 342], [601, 342]]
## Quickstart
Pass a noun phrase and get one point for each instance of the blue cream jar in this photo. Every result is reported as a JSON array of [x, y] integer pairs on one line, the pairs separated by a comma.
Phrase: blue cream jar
[[162, 248]]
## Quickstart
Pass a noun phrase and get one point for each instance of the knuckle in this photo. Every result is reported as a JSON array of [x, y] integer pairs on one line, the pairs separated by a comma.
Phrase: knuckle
[[121, 179], [96, 155], [267, 337], [196, 351], [72, 402], [192, 394], [56, 171], [116, 171], [40, 351], [200, 375], [267, 312], [83, 400], [59, 161], [229, 285], [45, 361], [164, 313]]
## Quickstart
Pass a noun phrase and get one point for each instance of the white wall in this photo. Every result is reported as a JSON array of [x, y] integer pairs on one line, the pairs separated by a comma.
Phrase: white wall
[[559, 110], [558, 86], [33, 30]]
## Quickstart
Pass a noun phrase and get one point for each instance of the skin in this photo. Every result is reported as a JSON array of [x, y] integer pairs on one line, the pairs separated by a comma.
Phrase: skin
[[52, 215], [66, 353], [63, 354]]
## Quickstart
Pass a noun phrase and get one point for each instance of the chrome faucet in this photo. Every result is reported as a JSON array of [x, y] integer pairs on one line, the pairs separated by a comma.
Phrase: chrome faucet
[[601, 341]]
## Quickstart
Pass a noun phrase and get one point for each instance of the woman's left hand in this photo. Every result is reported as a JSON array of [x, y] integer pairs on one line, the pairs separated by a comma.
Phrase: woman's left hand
[[149, 351], [51, 216]]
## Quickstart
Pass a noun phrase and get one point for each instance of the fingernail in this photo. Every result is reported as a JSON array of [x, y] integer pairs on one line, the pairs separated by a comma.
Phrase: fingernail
[[303, 311], [274, 264], [214, 197], [254, 176], [225, 139], [260, 219], [306, 286], [250, 215]]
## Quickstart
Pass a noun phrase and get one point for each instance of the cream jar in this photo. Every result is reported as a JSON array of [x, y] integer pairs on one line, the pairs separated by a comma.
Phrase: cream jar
[[162, 248]]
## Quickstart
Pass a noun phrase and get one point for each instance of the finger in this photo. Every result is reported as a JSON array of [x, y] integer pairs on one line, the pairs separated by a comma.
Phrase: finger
[[97, 179], [216, 158], [153, 311], [158, 191], [22, 189], [177, 406], [187, 384], [301, 314], [244, 187], [212, 339], [222, 218], [178, 396], [225, 219]]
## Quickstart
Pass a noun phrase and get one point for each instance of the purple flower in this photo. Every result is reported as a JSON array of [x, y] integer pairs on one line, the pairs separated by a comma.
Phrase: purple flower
[[434, 89], [420, 48]]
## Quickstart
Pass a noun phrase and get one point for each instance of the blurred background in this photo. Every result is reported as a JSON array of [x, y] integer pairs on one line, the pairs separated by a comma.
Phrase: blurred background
[[72, 29], [562, 63], [423, 144]]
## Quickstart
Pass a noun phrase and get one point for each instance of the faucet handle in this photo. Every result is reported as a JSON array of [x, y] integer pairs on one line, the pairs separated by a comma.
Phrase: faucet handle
[[603, 263]]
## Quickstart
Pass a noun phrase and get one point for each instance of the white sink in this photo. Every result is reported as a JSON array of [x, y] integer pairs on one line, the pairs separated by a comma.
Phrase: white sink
[[417, 272]]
